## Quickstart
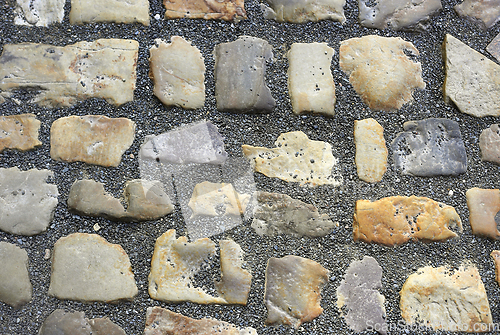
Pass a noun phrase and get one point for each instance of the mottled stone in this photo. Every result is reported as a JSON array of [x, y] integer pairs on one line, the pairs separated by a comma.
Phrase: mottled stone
[[293, 290], [93, 139], [371, 151], [15, 285], [484, 209], [431, 147], [119, 11], [88, 268], [296, 158], [396, 220], [495, 254], [302, 11], [494, 47], [240, 68], [19, 132], [489, 142], [484, 12], [62, 76], [446, 300], [38, 13], [27, 201], [228, 10], [382, 70], [217, 199], [61, 322]]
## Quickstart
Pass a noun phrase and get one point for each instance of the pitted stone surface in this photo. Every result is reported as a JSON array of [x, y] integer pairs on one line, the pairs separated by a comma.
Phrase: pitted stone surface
[[301, 11], [484, 12], [217, 199], [15, 285], [61, 322], [371, 151], [39, 13], [227, 10], [489, 142], [19, 132], [484, 209], [119, 11]]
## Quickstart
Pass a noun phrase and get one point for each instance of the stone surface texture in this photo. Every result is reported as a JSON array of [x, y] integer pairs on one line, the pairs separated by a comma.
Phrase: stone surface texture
[[19, 132], [15, 285], [484, 12], [484, 209], [495, 254], [382, 70], [489, 142], [227, 10], [216, 199], [39, 13], [302, 11], [371, 151], [119, 11], [494, 47], [61, 322]]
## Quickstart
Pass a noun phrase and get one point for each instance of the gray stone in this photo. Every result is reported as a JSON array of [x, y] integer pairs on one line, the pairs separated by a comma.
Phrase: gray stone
[[19, 132], [38, 13], [483, 12], [15, 285], [489, 142], [301, 11], [431, 147], [119, 11], [61, 322], [494, 47], [104, 326]]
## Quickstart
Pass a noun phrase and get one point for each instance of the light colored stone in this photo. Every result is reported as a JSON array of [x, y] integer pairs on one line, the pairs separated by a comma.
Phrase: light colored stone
[[175, 83], [119, 11], [93, 139], [396, 220], [217, 199], [228, 10], [484, 209], [61, 322], [62, 76], [296, 158], [15, 285], [19, 132], [87, 268], [494, 47], [489, 142], [27, 201], [446, 300], [382, 70], [371, 151], [310, 80], [484, 12], [301, 11], [38, 13], [495, 254]]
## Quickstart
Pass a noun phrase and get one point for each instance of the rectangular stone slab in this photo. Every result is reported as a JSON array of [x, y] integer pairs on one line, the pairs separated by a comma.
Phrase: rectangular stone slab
[[228, 10], [15, 285], [301, 11], [484, 209], [19, 132], [39, 13], [371, 151], [119, 11]]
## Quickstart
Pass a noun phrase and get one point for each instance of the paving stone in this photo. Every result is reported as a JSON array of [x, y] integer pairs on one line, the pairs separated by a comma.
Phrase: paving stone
[[371, 151], [87, 268], [396, 220], [489, 142], [119, 11], [93, 139], [19, 132], [483, 12], [27, 201], [301, 11], [383, 70], [61, 322], [240, 68], [15, 285], [484, 211], [62, 76], [494, 47], [495, 254], [431, 147], [228, 10], [217, 199], [39, 13]]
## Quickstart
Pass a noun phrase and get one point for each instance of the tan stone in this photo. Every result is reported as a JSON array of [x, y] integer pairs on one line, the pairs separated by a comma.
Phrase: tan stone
[[217, 199], [495, 254], [371, 151], [228, 10], [484, 206], [484, 12], [489, 142], [119, 11], [301, 11], [19, 132]]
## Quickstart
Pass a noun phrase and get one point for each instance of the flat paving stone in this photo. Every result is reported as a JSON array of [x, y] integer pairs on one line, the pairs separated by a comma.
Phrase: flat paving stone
[[227, 10], [62, 322], [19, 132], [484, 209], [371, 151], [483, 12], [38, 13], [15, 285], [489, 143], [217, 199], [495, 255], [302, 11], [118, 11]]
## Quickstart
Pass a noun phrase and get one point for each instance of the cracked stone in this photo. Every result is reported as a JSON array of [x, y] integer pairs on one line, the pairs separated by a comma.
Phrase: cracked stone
[[217, 199], [371, 151], [15, 285], [484, 211], [495, 254], [19, 132], [489, 142], [39, 13], [302, 11], [61, 322], [227, 10], [483, 12], [118, 11]]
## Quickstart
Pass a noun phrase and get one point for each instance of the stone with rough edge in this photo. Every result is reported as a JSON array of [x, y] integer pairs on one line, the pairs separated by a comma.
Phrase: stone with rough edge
[[19, 132], [175, 83], [446, 300], [86, 267], [15, 285], [489, 142], [296, 158], [293, 290], [62, 76], [217, 199], [93, 139], [39, 13], [227, 10], [382, 70], [61, 322], [302, 11], [495, 254], [240, 69], [431, 147], [484, 12], [371, 151], [494, 47], [119, 11], [484, 211], [396, 220], [310, 79], [27, 201]]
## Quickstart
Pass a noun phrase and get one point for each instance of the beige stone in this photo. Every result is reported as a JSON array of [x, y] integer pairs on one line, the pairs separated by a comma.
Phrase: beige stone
[[494, 47], [15, 285], [119, 11], [39, 13], [19, 132], [495, 254], [62, 322], [484, 12], [228, 10], [489, 142], [484, 206], [302, 11], [217, 199], [371, 151]]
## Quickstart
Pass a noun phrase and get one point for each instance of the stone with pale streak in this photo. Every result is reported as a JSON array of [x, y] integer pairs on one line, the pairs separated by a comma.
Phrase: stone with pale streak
[[19, 132], [61, 322], [495, 254], [119, 11], [484, 12], [484, 211], [489, 142], [217, 199], [302, 11], [39, 13], [371, 151], [15, 285], [227, 10]]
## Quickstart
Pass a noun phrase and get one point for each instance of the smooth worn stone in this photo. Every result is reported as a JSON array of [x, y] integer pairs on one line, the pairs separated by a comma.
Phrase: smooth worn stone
[[431, 147], [276, 213], [175, 83], [489, 142], [371, 151], [61, 322], [93, 139], [396, 220], [62, 76], [104, 326], [398, 14], [119, 11], [240, 69], [217, 199], [293, 290], [310, 80], [302, 11], [446, 300], [296, 158], [88, 268], [15, 285], [358, 292], [484, 212], [495, 254], [472, 81], [19, 132], [382, 70], [494, 47], [39, 13], [484, 12], [27, 201], [227, 10]]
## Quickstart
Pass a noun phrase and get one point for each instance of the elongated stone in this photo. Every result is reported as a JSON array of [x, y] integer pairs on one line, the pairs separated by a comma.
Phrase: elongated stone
[[15, 285], [217, 199], [301, 11], [62, 76], [494, 47], [240, 68], [19, 132], [40, 13], [484, 12], [61, 322], [431, 147], [119, 11], [382, 70], [484, 209], [310, 80], [228, 10], [495, 254], [489, 142], [371, 151]]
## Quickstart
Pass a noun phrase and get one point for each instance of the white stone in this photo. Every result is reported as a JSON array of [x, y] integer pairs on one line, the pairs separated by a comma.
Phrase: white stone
[[38, 13]]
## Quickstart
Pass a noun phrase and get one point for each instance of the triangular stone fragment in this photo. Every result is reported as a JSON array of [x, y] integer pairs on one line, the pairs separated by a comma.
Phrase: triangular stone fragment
[[19, 132], [489, 142], [371, 151], [483, 12], [302, 11], [61, 322], [484, 211], [15, 285], [494, 47], [119, 11]]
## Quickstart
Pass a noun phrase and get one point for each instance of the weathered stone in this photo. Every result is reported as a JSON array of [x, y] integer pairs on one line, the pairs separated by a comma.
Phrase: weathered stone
[[62, 76], [93, 139], [494, 47], [38, 13], [489, 142], [104, 326], [358, 292], [431, 147], [495, 254], [371, 151], [277, 213], [472, 81], [175, 83], [119, 11], [296, 158], [484, 12], [301, 11], [398, 14], [15, 285], [19, 132], [87, 268], [293, 290], [310, 80], [61, 322], [447, 301], [217, 199], [484, 209], [146, 200], [382, 70], [395, 220], [161, 321], [27, 201], [228, 10], [240, 68]]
